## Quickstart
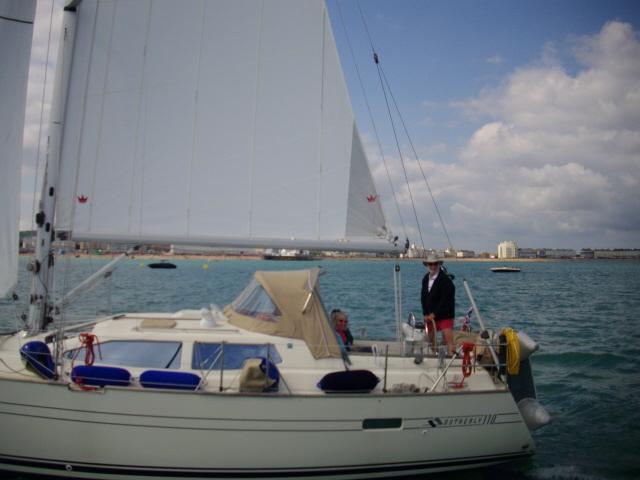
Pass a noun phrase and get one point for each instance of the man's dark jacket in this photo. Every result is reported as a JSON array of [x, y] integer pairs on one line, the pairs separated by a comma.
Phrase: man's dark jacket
[[441, 299]]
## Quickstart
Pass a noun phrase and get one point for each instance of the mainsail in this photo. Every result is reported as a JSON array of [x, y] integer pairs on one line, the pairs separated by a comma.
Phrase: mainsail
[[214, 122], [16, 30]]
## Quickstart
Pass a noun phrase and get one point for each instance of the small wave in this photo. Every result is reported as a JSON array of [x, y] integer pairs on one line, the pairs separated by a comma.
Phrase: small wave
[[591, 359], [563, 472]]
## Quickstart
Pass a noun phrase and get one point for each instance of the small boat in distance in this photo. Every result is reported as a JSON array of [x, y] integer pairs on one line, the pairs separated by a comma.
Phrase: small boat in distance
[[162, 264], [505, 269]]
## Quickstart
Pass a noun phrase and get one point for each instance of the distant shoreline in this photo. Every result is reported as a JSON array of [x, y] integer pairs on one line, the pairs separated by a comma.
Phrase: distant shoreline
[[216, 258]]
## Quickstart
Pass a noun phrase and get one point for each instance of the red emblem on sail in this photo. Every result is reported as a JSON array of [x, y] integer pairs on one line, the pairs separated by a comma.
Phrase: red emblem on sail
[[372, 198], [83, 199]]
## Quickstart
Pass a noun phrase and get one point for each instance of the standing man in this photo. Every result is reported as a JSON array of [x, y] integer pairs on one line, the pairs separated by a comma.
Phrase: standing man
[[438, 302]]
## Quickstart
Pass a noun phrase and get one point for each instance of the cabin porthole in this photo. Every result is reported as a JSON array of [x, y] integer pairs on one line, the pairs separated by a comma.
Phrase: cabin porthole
[[68, 468], [425, 433]]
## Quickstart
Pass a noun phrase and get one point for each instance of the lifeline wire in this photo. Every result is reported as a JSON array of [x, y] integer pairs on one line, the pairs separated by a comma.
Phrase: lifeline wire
[[384, 82]]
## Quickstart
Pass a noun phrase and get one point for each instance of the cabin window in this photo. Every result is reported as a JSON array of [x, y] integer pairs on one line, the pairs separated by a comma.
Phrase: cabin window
[[208, 356], [133, 354], [255, 302]]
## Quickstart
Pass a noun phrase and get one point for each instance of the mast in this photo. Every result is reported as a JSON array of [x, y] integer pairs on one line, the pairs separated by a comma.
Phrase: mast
[[40, 302]]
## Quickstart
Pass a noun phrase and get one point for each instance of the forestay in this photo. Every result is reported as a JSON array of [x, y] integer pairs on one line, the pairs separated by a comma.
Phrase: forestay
[[238, 130]]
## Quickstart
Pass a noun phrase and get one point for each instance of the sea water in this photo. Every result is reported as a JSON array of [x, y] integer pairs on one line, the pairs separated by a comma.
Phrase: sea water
[[585, 315]]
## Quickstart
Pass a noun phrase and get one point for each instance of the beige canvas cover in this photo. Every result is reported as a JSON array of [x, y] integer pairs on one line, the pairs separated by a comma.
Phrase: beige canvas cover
[[296, 294], [252, 378]]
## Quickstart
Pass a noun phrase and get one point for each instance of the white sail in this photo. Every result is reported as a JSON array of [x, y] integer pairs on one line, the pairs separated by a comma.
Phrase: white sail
[[236, 131], [16, 30]]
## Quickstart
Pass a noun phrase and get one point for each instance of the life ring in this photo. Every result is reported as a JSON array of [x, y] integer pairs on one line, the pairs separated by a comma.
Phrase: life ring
[[513, 351]]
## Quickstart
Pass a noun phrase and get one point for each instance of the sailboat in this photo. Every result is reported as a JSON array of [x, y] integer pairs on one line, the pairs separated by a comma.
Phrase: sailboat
[[201, 123]]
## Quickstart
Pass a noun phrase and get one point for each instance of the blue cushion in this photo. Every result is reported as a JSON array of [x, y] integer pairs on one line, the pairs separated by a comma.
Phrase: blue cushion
[[100, 376], [38, 355], [172, 380]]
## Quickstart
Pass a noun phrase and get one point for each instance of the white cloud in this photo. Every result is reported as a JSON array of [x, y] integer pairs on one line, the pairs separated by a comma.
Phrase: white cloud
[[559, 165]]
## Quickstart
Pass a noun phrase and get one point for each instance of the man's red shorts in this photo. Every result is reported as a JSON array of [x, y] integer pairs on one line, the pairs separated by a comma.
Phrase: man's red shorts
[[440, 324]]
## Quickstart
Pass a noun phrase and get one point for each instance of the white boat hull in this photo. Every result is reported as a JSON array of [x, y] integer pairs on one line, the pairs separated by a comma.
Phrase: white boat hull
[[120, 433]]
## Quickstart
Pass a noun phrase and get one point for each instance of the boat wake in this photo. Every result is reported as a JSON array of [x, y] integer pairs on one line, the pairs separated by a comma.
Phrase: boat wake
[[564, 472]]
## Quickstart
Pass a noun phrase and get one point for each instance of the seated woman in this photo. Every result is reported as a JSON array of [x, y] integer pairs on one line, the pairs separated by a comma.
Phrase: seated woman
[[340, 321]]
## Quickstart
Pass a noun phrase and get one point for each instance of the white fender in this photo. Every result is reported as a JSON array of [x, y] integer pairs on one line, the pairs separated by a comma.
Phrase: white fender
[[534, 414], [527, 345]]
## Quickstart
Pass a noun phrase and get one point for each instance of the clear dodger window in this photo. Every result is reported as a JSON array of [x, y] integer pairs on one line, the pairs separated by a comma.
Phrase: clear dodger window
[[208, 356], [255, 302]]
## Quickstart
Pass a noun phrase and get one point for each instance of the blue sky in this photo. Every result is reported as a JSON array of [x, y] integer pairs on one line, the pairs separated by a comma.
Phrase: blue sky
[[525, 117]]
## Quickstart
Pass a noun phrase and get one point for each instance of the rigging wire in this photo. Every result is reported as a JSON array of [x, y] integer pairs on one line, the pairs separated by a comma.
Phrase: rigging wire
[[418, 162], [395, 135], [386, 87], [366, 99]]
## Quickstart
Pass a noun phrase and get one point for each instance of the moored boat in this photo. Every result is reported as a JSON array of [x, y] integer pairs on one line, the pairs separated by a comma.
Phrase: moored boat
[[505, 269], [162, 264]]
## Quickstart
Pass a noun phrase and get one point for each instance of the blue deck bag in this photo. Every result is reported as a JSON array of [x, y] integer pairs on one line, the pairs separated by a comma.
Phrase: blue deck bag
[[350, 381], [172, 380]]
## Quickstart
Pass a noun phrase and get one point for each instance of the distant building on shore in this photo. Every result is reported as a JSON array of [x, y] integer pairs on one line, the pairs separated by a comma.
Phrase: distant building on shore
[[615, 253], [556, 253], [527, 253], [421, 252], [416, 252], [508, 250], [192, 250]]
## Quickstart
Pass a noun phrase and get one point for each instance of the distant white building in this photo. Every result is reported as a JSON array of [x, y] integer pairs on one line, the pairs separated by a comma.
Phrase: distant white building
[[508, 250], [416, 252], [449, 253]]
